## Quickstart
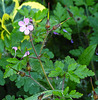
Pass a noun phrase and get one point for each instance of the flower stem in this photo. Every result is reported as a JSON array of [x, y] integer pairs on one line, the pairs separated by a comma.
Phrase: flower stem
[[45, 40], [45, 74], [38, 57], [32, 44], [36, 81]]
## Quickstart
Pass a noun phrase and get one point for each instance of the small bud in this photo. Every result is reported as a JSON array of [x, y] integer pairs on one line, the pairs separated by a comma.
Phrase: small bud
[[22, 74], [95, 96], [28, 68], [70, 13], [40, 97], [47, 24], [31, 20], [56, 26]]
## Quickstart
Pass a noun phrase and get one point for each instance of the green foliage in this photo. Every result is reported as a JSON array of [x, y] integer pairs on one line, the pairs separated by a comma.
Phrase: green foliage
[[75, 71], [9, 97], [87, 55], [65, 94], [28, 84], [76, 52], [2, 81], [1, 46], [16, 64], [58, 70], [65, 75]]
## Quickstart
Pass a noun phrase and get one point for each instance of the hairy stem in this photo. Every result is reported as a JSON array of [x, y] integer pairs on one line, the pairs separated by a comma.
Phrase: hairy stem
[[45, 40], [36, 81], [45, 74], [38, 57], [32, 44]]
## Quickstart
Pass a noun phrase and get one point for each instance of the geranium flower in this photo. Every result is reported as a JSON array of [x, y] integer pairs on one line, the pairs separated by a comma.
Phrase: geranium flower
[[15, 48], [72, 41], [65, 30], [26, 54], [56, 33], [25, 26]]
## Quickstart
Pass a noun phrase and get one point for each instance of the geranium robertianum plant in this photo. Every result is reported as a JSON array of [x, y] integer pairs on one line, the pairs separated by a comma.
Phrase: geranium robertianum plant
[[31, 66]]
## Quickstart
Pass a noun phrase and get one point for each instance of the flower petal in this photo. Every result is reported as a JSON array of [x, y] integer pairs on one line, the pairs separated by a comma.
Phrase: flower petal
[[64, 30], [21, 23], [26, 20], [15, 48], [26, 32], [26, 54], [30, 27], [56, 33], [22, 29]]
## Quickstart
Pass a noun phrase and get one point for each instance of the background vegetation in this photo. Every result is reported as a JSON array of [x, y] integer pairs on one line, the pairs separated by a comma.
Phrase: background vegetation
[[69, 56]]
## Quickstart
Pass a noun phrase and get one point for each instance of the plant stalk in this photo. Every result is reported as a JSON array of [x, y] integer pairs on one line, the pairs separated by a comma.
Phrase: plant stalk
[[45, 74], [36, 81], [45, 40], [40, 60]]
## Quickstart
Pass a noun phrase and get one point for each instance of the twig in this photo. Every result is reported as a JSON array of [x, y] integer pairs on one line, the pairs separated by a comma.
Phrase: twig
[[45, 74], [45, 40], [36, 81], [38, 57], [32, 43]]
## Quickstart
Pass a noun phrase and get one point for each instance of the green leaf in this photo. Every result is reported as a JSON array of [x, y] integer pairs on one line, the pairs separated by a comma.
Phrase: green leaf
[[13, 60], [76, 52], [40, 14], [72, 67], [69, 60], [66, 91], [28, 84], [46, 94], [96, 82], [58, 70], [82, 71], [90, 2], [8, 72], [6, 7], [87, 55], [74, 94], [79, 2], [1, 46], [16, 37], [17, 66], [9, 97], [73, 77], [94, 38], [2, 81], [67, 3], [57, 93], [59, 12]]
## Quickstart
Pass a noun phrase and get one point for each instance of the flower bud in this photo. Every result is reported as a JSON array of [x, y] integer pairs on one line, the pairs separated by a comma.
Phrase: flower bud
[[56, 26], [47, 24], [28, 68], [95, 96], [70, 13], [22, 74]]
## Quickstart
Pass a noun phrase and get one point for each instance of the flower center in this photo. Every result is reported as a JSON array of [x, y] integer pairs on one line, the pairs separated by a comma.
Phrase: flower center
[[26, 25]]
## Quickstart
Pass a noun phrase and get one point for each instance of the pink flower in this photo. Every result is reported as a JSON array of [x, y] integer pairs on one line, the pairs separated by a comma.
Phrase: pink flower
[[26, 54], [25, 26], [15, 48]]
